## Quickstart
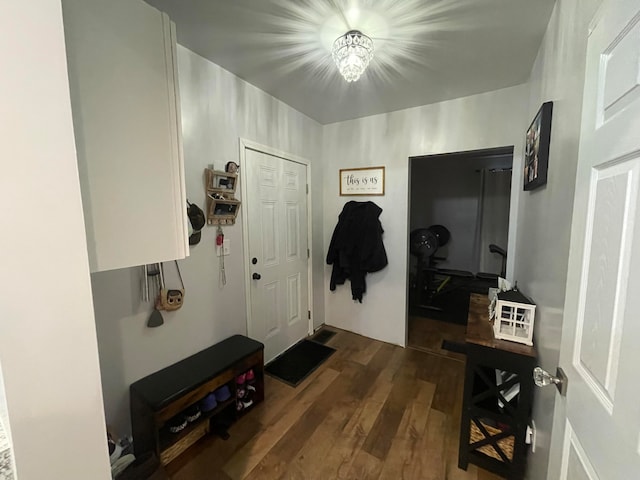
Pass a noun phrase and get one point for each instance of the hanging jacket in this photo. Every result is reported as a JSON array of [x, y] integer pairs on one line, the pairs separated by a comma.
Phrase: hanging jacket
[[356, 246]]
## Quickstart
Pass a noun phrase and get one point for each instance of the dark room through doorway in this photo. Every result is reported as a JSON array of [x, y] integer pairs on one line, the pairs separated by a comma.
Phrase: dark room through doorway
[[459, 208]]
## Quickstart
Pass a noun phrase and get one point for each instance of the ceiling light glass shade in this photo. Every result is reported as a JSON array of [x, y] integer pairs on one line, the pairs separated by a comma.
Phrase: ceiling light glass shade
[[352, 53]]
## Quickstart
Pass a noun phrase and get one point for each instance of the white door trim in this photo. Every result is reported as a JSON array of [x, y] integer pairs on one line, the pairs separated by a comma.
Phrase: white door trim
[[571, 442], [248, 144]]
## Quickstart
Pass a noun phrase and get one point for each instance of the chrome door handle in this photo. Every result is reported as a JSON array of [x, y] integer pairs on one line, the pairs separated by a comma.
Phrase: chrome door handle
[[542, 378]]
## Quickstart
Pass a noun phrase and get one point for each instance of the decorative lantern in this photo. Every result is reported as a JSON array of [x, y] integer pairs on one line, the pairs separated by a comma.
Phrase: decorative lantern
[[514, 316]]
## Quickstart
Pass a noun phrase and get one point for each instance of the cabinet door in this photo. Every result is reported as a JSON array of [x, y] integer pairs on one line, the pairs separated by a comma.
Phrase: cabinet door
[[124, 92]]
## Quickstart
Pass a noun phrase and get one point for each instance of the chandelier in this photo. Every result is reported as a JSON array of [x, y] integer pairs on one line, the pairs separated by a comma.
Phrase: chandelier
[[352, 53]]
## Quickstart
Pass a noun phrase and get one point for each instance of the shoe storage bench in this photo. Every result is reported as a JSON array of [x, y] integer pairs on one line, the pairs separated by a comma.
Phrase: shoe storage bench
[[161, 396]]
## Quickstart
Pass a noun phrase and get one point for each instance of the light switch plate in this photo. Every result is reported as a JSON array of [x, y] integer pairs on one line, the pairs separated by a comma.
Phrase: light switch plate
[[531, 436]]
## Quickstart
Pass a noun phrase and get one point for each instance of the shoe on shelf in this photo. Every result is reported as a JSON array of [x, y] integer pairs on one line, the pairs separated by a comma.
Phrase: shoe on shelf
[[249, 394], [223, 393], [208, 403], [192, 413], [240, 392], [250, 377], [177, 423]]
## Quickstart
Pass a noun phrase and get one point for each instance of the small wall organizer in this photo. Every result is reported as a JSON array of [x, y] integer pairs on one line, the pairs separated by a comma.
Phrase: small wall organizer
[[222, 207]]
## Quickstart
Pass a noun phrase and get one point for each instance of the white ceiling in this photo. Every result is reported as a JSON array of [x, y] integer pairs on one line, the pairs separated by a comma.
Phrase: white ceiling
[[425, 50]]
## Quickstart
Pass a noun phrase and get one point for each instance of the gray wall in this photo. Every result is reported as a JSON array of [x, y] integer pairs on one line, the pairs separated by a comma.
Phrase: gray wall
[[217, 109], [545, 214], [488, 120], [446, 190], [446, 193]]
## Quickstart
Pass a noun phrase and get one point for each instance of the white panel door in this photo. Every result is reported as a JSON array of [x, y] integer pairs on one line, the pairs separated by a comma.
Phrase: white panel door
[[602, 313], [276, 206]]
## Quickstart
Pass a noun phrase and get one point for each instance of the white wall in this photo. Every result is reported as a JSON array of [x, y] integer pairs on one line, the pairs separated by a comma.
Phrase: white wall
[[545, 214], [48, 347], [487, 120], [217, 109]]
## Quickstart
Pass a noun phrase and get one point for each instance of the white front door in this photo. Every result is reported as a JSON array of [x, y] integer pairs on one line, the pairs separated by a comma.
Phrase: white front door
[[600, 351], [276, 206]]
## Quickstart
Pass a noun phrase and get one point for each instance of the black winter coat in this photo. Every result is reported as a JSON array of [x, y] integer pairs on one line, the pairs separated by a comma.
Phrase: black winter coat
[[356, 246]]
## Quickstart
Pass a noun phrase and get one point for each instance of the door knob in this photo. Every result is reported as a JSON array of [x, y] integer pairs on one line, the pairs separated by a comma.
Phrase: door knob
[[256, 276], [542, 378]]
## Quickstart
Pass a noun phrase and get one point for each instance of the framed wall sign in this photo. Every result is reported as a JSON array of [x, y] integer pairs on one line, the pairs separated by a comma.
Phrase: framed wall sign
[[362, 181], [536, 153]]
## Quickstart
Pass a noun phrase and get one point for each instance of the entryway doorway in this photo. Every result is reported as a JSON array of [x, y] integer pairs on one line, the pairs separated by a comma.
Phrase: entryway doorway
[[276, 223], [459, 205]]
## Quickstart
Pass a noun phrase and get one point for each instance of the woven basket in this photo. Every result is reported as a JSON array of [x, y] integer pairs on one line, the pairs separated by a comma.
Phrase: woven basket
[[505, 444]]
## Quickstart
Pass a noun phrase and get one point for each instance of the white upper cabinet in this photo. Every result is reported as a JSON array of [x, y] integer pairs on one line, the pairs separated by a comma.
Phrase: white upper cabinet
[[124, 90]]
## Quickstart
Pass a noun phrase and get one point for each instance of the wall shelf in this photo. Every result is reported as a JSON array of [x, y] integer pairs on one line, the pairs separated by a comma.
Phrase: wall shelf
[[221, 182], [222, 207], [222, 211]]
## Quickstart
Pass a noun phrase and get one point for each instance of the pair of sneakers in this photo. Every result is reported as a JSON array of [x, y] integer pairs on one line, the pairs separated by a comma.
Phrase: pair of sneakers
[[245, 389], [180, 421], [195, 411], [212, 400]]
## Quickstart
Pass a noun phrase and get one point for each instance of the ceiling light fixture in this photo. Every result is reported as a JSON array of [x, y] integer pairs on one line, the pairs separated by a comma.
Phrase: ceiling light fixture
[[352, 53]]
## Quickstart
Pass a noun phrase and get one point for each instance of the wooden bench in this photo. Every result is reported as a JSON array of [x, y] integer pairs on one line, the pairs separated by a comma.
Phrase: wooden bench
[[160, 396]]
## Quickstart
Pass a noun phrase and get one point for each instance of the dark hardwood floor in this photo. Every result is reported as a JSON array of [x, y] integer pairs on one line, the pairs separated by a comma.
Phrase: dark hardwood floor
[[428, 334], [372, 411]]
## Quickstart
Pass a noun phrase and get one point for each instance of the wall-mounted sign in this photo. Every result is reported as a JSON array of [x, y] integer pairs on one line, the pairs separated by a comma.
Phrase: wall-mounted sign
[[362, 181]]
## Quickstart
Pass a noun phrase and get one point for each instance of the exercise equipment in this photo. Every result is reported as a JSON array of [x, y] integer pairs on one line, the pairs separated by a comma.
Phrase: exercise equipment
[[442, 293], [424, 243]]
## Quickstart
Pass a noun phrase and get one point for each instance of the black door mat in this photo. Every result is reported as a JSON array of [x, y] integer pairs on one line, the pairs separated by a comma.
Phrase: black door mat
[[297, 363], [323, 336], [454, 346]]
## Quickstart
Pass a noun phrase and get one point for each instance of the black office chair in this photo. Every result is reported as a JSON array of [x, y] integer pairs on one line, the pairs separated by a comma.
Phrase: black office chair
[[493, 248], [496, 249]]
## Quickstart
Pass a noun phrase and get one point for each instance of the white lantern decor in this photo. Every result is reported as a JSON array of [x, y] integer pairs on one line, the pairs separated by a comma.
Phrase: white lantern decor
[[514, 317]]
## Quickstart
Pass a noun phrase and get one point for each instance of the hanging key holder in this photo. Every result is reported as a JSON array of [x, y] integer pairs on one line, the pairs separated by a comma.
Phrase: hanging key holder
[[170, 299]]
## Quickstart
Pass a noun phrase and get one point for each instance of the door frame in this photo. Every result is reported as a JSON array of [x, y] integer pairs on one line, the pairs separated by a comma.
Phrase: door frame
[[512, 232], [245, 144]]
